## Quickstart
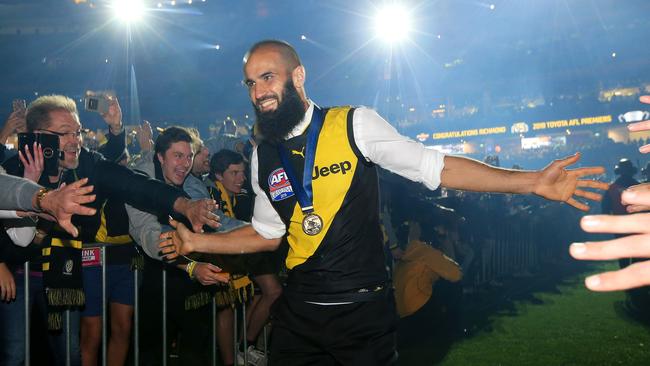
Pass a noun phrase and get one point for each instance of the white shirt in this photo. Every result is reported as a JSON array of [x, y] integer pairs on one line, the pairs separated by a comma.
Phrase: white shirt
[[378, 142]]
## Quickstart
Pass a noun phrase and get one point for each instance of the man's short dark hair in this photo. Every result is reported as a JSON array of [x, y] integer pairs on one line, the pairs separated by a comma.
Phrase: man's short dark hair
[[220, 161], [287, 51], [171, 135], [38, 112]]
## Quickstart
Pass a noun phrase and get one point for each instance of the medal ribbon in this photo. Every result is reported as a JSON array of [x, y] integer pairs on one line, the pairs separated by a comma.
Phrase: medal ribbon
[[304, 193]]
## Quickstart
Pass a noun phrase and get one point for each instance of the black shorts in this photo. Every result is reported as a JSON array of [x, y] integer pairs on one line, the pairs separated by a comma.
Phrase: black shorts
[[356, 334], [264, 263]]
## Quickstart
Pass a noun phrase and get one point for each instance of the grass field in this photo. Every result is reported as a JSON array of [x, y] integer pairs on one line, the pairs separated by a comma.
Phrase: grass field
[[561, 324]]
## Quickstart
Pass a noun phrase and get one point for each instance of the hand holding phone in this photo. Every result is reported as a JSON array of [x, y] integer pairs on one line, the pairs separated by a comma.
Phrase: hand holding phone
[[145, 136], [49, 145], [19, 105], [34, 164], [97, 102], [113, 117], [15, 123]]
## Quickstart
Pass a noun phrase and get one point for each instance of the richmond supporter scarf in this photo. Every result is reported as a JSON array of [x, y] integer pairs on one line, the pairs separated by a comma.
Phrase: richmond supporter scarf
[[62, 278], [225, 203], [239, 287], [62, 264]]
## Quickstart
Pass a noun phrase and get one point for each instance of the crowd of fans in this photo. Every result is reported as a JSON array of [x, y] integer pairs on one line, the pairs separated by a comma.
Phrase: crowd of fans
[[595, 151], [486, 237]]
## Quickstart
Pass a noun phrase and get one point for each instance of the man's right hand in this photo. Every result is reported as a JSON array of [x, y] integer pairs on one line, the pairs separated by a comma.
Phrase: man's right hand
[[175, 243], [209, 274], [66, 201]]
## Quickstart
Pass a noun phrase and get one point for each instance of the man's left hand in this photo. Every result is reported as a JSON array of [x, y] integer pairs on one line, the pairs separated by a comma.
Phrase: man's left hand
[[560, 184]]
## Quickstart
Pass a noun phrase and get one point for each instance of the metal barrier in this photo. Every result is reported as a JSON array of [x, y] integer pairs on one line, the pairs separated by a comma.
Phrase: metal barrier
[[27, 307], [238, 333], [520, 247]]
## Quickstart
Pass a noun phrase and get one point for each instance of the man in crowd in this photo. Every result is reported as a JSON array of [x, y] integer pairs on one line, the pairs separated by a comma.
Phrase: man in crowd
[[201, 164], [315, 179], [61, 260], [227, 169], [171, 161], [195, 187], [23, 235]]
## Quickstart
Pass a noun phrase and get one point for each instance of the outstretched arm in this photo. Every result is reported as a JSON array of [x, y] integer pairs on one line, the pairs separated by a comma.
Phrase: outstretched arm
[[380, 143], [554, 182], [142, 192], [238, 241]]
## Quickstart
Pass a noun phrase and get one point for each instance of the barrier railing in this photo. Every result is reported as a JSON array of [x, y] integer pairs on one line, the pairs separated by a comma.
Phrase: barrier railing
[[136, 323]]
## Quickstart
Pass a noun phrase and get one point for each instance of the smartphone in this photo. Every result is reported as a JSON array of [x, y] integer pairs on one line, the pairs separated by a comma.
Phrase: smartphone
[[19, 105], [50, 145], [96, 102]]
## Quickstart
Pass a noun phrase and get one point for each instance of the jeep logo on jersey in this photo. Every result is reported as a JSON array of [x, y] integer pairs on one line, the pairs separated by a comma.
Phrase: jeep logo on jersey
[[341, 167], [279, 185]]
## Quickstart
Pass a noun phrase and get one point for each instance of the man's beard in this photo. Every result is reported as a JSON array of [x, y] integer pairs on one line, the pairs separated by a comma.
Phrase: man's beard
[[276, 125]]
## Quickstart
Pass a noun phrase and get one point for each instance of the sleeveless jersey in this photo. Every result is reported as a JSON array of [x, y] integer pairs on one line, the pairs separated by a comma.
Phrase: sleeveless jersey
[[347, 254]]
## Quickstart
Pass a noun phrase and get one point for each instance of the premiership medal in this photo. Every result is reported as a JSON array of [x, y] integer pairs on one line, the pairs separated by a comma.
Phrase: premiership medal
[[312, 224]]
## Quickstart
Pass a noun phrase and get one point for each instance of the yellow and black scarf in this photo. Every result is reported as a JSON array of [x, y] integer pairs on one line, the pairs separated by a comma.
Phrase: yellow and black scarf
[[240, 287]]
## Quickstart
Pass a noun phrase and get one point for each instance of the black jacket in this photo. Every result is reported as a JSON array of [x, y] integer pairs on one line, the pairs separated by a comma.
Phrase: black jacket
[[109, 180]]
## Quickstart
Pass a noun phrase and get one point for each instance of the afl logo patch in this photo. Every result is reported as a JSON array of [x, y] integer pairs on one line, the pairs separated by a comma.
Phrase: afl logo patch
[[279, 185]]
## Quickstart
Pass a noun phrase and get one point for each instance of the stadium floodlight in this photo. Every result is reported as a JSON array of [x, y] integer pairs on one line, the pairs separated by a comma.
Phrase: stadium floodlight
[[392, 23], [128, 11]]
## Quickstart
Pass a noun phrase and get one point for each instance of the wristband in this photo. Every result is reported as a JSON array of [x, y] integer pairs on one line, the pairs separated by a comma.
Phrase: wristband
[[190, 269]]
